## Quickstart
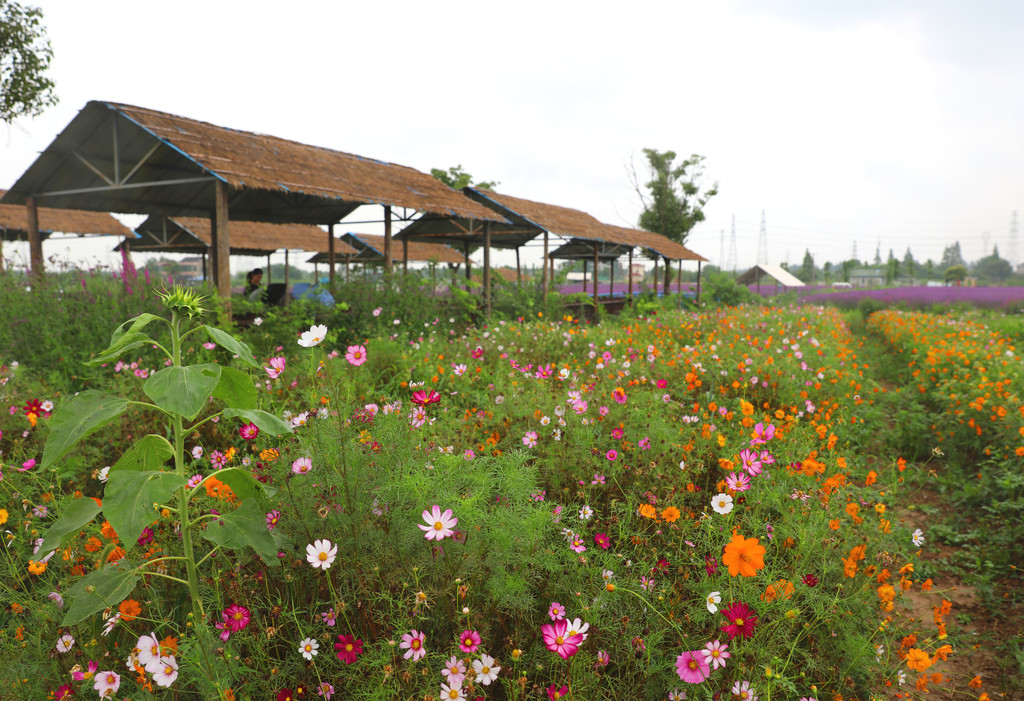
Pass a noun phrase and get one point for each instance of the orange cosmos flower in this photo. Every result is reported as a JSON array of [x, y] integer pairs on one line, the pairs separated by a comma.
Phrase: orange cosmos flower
[[743, 556], [918, 660], [129, 610], [671, 514]]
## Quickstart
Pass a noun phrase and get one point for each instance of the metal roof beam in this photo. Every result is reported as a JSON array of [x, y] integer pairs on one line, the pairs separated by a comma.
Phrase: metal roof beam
[[123, 186]]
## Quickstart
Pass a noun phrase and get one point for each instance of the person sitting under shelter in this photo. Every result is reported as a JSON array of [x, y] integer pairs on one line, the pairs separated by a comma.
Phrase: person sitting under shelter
[[253, 291]]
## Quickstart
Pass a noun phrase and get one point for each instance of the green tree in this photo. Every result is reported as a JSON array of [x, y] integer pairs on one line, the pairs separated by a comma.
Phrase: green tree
[[676, 199], [909, 264], [955, 273], [456, 178], [951, 256], [25, 55], [806, 272], [993, 267]]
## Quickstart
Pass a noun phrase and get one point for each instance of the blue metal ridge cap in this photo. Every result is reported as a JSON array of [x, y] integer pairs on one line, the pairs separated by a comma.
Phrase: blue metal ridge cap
[[112, 106]]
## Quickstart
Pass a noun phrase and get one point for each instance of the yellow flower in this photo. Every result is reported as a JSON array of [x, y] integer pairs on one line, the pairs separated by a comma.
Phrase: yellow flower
[[3, 516]]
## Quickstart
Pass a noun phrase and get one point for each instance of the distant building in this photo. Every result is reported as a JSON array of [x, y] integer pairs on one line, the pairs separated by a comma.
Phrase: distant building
[[867, 277]]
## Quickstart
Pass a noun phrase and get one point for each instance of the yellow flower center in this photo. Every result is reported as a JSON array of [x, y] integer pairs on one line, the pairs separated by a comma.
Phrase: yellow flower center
[[485, 670], [322, 556], [438, 526], [559, 640], [348, 647], [715, 653], [238, 616], [738, 621], [693, 664]]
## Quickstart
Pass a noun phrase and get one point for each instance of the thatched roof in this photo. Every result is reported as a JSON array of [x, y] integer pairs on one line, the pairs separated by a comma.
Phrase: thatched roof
[[121, 158], [581, 249], [545, 217], [193, 235], [371, 248], [14, 222], [657, 244]]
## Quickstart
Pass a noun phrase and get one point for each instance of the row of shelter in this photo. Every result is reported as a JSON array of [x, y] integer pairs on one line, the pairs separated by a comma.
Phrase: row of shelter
[[211, 189]]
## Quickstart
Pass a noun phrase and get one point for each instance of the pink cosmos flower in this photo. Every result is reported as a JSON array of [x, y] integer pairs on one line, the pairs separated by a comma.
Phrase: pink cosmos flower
[[530, 439], [27, 465], [602, 540], [413, 643], [273, 518], [556, 611], [469, 641], [217, 459], [249, 431], [762, 434], [439, 525], [194, 481], [737, 482], [557, 640], [107, 683], [302, 466], [612, 454], [355, 355], [275, 368], [645, 443], [555, 693], [454, 671], [751, 462], [236, 617], [692, 666], [87, 674], [716, 653], [598, 479]]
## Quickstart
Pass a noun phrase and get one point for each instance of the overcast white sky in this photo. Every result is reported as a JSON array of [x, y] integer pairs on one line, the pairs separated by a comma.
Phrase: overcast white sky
[[889, 123]]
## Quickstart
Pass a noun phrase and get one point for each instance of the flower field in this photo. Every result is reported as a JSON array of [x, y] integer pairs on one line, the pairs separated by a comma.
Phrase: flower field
[[661, 507]]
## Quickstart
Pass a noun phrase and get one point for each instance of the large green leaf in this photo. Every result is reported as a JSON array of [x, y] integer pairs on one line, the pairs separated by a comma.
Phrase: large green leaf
[[102, 588], [268, 423], [149, 453], [244, 527], [242, 483], [77, 418], [236, 389], [124, 339], [129, 497], [183, 389], [226, 340], [75, 516]]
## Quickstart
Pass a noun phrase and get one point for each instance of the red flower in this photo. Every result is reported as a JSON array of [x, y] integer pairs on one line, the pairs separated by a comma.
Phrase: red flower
[[810, 580], [349, 648], [741, 620], [425, 397], [603, 540], [249, 431], [285, 695]]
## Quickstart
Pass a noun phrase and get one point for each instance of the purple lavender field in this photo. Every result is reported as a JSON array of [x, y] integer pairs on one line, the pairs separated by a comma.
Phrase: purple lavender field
[[923, 297]]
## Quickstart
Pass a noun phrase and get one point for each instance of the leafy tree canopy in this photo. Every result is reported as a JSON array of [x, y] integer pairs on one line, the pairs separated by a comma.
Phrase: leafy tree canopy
[[25, 55], [676, 196], [456, 178], [993, 267]]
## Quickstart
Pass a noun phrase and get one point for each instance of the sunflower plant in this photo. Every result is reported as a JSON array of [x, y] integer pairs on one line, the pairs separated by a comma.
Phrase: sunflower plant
[[150, 477]]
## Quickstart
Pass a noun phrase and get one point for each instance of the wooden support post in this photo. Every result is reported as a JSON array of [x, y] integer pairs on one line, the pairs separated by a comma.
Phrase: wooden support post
[[268, 271], [405, 256], [35, 241], [487, 267], [387, 240], [316, 272], [346, 270], [584, 276], [655, 276], [679, 283], [631, 277], [611, 278], [330, 251], [668, 272], [222, 242], [697, 298], [465, 252], [545, 278], [519, 272], [286, 266], [595, 275]]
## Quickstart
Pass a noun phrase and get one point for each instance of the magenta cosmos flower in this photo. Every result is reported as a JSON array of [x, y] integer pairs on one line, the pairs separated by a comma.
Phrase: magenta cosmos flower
[[741, 620], [469, 641], [413, 644], [355, 355], [558, 640], [603, 541], [275, 368], [249, 431], [692, 666], [425, 397], [612, 454], [349, 648], [439, 525]]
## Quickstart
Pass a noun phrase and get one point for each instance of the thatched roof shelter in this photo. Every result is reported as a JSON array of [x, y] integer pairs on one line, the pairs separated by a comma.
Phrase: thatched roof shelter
[[14, 222], [371, 248], [120, 158], [194, 235], [656, 244], [774, 272]]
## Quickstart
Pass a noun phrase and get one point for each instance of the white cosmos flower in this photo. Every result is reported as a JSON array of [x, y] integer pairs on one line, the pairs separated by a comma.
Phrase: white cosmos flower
[[321, 553], [167, 671], [714, 598], [918, 537], [149, 652], [314, 336], [486, 670], [309, 648], [721, 503], [65, 642], [586, 512], [577, 627]]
